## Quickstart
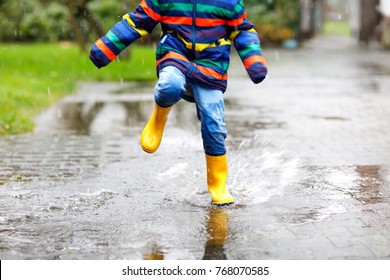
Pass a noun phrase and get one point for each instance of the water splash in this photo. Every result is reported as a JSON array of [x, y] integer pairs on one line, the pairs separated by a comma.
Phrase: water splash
[[78, 202], [256, 173], [175, 170], [259, 171], [185, 182]]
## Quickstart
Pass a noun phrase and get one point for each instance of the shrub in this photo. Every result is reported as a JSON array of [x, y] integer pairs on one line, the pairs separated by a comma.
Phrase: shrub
[[31, 20], [275, 21]]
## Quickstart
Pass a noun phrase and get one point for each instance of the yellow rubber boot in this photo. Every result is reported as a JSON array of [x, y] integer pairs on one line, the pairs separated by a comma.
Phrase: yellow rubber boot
[[153, 131], [217, 172]]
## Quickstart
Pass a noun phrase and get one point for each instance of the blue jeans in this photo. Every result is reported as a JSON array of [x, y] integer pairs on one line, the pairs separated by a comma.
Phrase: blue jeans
[[172, 86]]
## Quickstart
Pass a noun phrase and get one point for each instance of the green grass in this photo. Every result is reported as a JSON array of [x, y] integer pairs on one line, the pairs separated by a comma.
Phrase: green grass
[[34, 76], [337, 28]]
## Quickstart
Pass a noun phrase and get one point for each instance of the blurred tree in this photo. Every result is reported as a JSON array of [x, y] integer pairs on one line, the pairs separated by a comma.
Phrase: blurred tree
[[370, 19], [53, 20], [33, 20], [276, 20], [91, 16], [85, 20], [28, 20], [79, 13]]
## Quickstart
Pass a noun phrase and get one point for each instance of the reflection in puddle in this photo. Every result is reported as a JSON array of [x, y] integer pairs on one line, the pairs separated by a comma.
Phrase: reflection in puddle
[[83, 117], [86, 114], [135, 87], [376, 69], [331, 118], [312, 213], [218, 230], [328, 190], [376, 83], [155, 254], [253, 118], [370, 184], [364, 183], [77, 116]]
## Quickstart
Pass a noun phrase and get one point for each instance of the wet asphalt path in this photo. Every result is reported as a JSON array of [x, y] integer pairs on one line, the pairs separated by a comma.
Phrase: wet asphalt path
[[309, 158]]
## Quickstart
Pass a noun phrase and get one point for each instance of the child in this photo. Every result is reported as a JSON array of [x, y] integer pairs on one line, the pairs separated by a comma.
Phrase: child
[[193, 52]]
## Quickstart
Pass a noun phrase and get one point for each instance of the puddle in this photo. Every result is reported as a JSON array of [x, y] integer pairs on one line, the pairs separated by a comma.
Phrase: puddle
[[331, 118], [107, 112], [376, 69], [108, 116], [366, 184], [93, 118], [136, 87], [329, 191]]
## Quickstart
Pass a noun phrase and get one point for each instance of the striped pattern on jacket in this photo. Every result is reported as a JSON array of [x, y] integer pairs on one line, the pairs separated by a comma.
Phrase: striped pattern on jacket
[[197, 38]]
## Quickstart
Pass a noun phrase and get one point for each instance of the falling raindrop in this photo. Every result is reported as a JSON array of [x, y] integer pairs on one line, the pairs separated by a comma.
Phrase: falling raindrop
[[59, 113], [48, 91], [277, 57]]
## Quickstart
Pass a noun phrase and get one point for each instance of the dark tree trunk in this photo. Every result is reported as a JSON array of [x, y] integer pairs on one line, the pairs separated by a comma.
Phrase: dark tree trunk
[[83, 21], [369, 20]]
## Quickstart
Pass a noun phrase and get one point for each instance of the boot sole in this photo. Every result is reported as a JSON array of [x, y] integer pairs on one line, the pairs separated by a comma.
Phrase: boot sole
[[222, 204], [148, 151]]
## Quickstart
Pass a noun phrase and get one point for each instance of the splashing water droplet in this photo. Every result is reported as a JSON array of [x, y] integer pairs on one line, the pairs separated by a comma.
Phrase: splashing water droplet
[[277, 56], [258, 171], [59, 113]]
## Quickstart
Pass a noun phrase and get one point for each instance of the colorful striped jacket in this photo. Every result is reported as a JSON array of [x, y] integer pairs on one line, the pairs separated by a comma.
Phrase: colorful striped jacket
[[197, 38]]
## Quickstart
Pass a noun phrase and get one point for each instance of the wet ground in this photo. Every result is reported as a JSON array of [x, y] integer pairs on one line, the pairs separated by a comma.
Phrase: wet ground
[[309, 158]]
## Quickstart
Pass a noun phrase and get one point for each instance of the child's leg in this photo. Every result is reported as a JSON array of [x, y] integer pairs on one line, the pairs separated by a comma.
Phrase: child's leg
[[168, 90], [210, 108], [170, 87]]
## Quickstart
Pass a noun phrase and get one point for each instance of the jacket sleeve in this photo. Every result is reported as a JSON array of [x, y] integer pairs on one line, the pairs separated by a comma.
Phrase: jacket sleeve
[[247, 44], [134, 25]]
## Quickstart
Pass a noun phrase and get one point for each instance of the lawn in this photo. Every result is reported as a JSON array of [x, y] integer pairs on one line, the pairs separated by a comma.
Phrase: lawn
[[337, 28], [34, 76]]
